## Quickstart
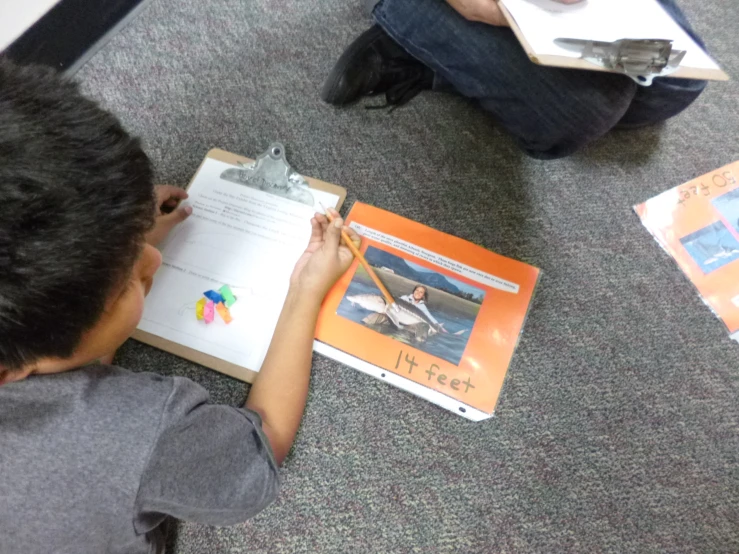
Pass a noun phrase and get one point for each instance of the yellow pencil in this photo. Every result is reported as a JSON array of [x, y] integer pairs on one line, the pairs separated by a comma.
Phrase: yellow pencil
[[348, 241]]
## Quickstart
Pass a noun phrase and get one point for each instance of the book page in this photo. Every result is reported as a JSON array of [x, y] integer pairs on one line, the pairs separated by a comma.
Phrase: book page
[[543, 21], [697, 224], [236, 236], [459, 311]]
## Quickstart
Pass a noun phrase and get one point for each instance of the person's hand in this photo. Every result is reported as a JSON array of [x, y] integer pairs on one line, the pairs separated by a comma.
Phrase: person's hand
[[325, 259], [169, 213], [487, 11], [484, 11]]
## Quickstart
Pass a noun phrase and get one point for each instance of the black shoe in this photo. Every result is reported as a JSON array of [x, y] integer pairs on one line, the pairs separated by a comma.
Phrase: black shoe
[[374, 64]]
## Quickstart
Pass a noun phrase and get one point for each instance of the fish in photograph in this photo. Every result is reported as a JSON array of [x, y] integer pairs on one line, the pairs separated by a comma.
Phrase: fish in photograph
[[403, 315]]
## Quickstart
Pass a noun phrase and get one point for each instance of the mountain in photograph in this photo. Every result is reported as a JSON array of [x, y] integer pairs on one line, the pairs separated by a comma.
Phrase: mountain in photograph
[[381, 259]]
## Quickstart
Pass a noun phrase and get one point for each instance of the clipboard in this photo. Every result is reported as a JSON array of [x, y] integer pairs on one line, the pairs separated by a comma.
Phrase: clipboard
[[599, 61], [212, 362]]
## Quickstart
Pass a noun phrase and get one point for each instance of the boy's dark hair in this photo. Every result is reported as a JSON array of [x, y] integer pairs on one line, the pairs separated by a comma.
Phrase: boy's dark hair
[[76, 200]]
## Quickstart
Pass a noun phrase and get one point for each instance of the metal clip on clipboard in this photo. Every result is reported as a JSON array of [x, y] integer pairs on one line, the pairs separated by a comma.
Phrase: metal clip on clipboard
[[640, 59], [271, 173]]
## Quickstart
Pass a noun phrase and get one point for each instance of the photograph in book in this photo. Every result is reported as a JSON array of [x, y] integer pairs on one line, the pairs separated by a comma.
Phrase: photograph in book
[[712, 247], [435, 313]]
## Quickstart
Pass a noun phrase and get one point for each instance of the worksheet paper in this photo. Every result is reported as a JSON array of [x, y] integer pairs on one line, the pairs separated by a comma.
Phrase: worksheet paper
[[237, 236], [543, 21]]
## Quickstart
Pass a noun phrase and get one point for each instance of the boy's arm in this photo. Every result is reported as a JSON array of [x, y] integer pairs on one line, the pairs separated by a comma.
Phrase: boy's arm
[[281, 388]]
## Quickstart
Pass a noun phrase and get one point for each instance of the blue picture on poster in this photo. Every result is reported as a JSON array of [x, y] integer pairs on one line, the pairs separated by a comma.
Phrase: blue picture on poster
[[728, 206], [712, 247]]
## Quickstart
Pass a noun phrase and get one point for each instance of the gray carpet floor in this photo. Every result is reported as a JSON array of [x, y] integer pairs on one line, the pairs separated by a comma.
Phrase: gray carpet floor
[[618, 427]]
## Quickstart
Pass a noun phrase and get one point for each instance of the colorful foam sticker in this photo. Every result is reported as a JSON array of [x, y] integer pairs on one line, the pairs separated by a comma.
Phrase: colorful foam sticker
[[212, 302], [223, 312], [200, 308], [213, 296], [209, 311], [228, 295]]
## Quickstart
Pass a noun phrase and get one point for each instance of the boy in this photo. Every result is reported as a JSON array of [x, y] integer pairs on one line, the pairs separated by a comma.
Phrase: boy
[[93, 457]]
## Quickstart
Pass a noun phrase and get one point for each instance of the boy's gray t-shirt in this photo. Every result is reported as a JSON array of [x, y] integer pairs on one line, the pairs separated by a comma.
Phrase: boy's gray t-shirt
[[93, 460]]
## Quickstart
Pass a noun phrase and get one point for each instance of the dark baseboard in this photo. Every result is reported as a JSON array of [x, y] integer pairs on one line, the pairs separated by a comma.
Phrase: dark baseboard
[[72, 31]]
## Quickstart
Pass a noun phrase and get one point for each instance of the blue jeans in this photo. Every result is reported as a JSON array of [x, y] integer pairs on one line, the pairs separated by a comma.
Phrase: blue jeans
[[551, 112]]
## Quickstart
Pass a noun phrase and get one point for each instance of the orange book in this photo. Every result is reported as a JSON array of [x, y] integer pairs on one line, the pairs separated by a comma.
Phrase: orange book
[[459, 311], [697, 223]]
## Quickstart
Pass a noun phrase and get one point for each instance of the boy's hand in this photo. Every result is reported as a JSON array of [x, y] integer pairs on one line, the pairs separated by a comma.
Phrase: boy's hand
[[169, 213], [325, 259]]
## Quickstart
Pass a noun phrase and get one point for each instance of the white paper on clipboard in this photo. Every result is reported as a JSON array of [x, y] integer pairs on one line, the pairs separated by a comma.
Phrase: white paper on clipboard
[[237, 235], [541, 22]]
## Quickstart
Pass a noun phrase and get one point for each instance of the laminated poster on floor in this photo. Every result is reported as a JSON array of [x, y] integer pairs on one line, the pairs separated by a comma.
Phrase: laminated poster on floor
[[458, 315], [697, 223]]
